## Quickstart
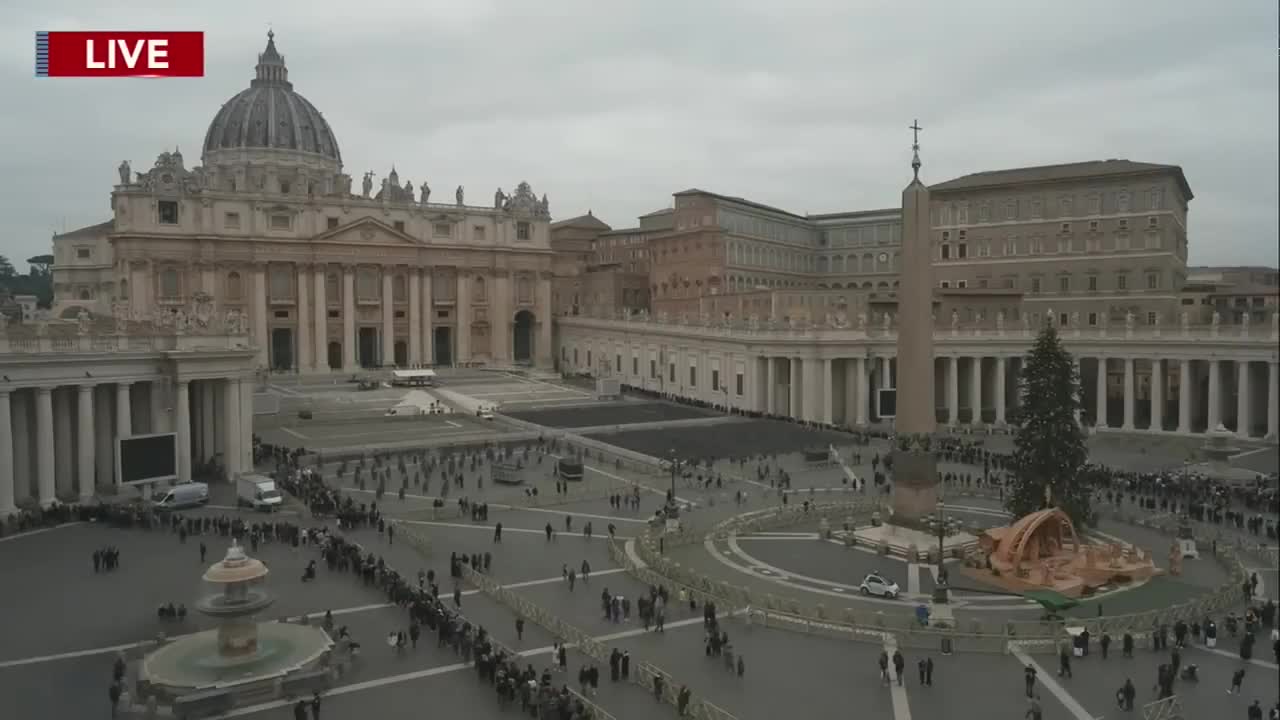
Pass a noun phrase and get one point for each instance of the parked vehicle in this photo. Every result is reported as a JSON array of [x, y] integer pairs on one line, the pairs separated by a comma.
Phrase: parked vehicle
[[874, 584], [258, 492], [184, 495]]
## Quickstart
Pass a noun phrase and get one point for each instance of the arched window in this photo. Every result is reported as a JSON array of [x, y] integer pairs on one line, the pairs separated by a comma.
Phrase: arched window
[[169, 283], [233, 286], [84, 293], [478, 291]]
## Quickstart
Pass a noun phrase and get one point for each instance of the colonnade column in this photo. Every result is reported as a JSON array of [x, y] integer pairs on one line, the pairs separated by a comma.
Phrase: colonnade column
[[306, 348], [415, 318], [850, 391], [64, 468], [1215, 395], [85, 443], [1184, 396], [1273, 400], [183, 423], [6, 457], [428, 307], [827, 387], [793, 394], [320, 318], [245, 422], [953, 390], [258, 313], [975, 391], [1243, 399], [231, 427], [44, 447], [1100, 381], [1157, 395], [770, 388], [1000, 390], [462, 343], [864, 389], [388, 321], [124, 414], [886, 373], [1128, 393], [348, 318]]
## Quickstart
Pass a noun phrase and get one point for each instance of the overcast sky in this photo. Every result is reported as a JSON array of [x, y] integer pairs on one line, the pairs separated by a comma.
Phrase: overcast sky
[[612, 106]]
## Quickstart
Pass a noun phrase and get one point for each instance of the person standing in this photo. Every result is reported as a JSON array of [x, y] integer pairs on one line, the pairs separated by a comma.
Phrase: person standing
[[497, 533], [315, 705], [928, 672], [300, 710], [899, 664], [1029, 680], [884, 667], [1034, 712], [1105, 644], [519, 629], [203, 551]]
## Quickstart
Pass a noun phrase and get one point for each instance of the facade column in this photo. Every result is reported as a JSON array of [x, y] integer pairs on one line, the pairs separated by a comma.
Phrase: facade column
[[886, 373], [428, 310], [953, 390], [1215, 394], [828, 389], [851, 392], [1273, 400], [1244, 406], [462, 343], [245, 419], [320, 319], [161, 421], [1000, 390], [64, 468], [770, 388], [793, 394], [975, 390], [1184, 397], [44, 447], [1128, 394], [1157, 395], [258, 313], [306, 348], [7, 506], [231, 427], [104, 446], [209, 422], [1101, 390], [388, 321], [124, 414], [415, 318], [183, 423], [864, 388], [501, 317], [349, 363], [87, 470], [543, 349]]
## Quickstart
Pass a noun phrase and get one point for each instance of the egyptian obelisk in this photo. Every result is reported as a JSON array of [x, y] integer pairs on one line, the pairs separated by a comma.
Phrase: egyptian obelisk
[[915, 484]]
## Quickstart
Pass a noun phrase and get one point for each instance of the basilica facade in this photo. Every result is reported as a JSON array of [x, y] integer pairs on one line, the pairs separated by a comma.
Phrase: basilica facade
[[269, 231]]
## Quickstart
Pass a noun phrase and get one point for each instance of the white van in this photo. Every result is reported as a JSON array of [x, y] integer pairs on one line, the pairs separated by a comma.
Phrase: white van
[[184, 495]]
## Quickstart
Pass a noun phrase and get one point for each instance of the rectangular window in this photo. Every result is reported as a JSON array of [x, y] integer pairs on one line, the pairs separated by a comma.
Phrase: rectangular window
[[1123, 224], [399, 314], [715, 379], [231, 221], [398, 225], [1153, 281], [984, 248], [168, 211], [1066, 227], [1093, 319], [1153, 222], [738, 383], [442, 229], [1064, 284], [1011, 210], [84, 253], [946, 284], [282, 314], [1093, 226], [962, 284], [962, 251], [653, 369], [1122, 282], [281, 222], [617, 363], [946, 236], [442, 314], [982, 284], [946, 252], [1062, 319], [1093, 283], [963, 234], [334, 314], [671, 373], [1151, 318], [635, 365], [588, 358], [1010, 283], [477, 232], [575, 356], [693, 376], [1035, 285], [331, 223], [523, 230], [1036, 248]]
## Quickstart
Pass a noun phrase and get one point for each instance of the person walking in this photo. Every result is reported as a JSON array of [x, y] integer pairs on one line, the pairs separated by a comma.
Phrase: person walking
[[928, 672], [884, 667], [1034, 712], [1237, 678], [519, 629], [203, 551], [899, 664], [1029, 680], [497, 533], [1105, 644]]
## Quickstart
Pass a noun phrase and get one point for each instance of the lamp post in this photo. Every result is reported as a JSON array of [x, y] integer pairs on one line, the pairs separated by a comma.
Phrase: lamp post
[[672, 510], [940, 588]]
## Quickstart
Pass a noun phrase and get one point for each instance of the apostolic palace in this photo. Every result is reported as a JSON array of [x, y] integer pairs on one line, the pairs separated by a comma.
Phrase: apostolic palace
[[268, 257]]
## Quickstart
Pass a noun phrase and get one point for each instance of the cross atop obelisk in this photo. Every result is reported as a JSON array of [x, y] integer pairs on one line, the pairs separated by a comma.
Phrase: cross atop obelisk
[[915, 129]]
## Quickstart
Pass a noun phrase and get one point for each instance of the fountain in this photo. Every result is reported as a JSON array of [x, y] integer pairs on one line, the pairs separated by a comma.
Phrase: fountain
[[240, 659]]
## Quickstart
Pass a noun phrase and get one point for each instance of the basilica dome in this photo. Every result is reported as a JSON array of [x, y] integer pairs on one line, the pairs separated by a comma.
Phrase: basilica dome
[[270, 115]]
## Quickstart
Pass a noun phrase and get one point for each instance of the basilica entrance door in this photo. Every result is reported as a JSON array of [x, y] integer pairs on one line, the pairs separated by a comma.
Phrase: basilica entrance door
[[443, 345], [367, 346], [522, 337], [282, 348]]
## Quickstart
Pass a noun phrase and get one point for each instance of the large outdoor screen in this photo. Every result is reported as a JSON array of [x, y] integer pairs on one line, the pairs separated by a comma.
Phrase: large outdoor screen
[[888, 405], [148, 458]]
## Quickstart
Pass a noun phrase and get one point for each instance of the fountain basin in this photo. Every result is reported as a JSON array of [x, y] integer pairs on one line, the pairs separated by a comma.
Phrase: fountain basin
[[194, 662]]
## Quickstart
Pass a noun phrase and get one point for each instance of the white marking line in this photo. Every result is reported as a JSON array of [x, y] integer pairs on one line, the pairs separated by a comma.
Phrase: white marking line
[[294, 433], [500, 506], [784, 575], [913, 578], [430, 672], [901, 705], [1247, 453], [504, 529], [29, 533], [1073, 707], [1236, 656], [451, 423], [809, 538], [315, 615]]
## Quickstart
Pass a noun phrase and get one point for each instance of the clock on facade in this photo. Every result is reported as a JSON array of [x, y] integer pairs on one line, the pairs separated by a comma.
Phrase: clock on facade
[[884, 257]]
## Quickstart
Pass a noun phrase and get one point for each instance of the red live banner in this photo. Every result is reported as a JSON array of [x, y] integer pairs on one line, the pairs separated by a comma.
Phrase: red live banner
[[124, 53]]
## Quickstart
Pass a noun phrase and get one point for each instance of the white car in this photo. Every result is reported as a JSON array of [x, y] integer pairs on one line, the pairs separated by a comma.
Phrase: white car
[[873, 584]]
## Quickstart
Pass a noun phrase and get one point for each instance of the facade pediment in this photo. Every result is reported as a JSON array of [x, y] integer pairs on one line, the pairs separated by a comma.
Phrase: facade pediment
[[365, 231]]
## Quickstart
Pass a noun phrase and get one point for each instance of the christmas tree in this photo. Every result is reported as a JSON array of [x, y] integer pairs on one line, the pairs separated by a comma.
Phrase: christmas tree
[[1049, 446]]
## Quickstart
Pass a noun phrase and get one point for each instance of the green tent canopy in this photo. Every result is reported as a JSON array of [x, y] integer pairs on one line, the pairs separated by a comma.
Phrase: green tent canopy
[[1052, 601]]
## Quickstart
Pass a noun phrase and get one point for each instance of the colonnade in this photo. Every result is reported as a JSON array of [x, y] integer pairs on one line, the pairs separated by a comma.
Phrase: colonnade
[[58, 441]]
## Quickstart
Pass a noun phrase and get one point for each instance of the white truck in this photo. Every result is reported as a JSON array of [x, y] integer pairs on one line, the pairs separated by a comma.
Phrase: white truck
[[258, 492]]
